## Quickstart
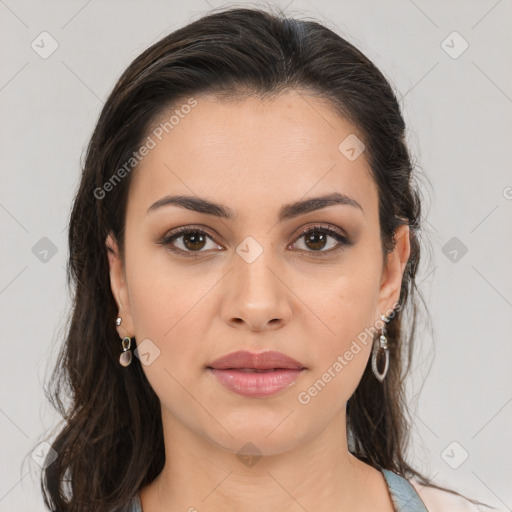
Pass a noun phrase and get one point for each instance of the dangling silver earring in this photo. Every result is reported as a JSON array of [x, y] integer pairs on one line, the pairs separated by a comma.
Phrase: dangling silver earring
[[126, 356], [382, 344]]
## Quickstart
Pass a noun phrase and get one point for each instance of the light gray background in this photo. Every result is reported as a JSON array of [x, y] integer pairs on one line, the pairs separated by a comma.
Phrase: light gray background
[[458, 112]]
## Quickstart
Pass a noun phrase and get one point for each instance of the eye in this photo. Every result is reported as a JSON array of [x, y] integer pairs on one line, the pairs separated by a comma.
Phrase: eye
[[316, 239], [193, 240]]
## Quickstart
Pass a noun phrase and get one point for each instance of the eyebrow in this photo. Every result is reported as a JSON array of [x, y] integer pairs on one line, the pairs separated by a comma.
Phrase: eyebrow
[[287, 211]]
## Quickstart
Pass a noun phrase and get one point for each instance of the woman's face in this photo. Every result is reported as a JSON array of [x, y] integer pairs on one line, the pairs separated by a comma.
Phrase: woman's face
[[253, 281]]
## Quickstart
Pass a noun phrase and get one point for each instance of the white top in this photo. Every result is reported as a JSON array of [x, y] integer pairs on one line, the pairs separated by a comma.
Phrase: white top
[[441, 501]]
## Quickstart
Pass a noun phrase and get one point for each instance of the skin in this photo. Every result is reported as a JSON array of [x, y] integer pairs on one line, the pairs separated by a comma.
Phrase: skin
[[253, 156]]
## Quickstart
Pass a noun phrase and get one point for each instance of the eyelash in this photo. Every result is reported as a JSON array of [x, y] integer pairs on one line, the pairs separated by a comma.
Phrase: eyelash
[[170, 237]]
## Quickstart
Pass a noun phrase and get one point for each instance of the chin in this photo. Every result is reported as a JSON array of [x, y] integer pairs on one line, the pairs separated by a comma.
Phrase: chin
[[257, 438]]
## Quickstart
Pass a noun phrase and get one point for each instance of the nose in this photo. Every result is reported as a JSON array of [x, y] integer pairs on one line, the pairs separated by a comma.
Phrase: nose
[[257, 296]]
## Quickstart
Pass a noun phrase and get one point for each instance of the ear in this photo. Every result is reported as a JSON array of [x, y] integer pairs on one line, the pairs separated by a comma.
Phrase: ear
[[391, 281], [119, 288]]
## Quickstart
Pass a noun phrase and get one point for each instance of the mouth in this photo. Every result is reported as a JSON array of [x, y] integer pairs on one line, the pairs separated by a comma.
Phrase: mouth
[[256, 375]]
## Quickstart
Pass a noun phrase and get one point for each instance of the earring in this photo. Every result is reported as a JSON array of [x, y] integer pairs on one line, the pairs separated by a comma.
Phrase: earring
[[126, 356], [382, 344]]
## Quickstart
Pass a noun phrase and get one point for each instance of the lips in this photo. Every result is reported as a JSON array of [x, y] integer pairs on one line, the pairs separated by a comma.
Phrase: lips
[[244, 360], [256, 375]]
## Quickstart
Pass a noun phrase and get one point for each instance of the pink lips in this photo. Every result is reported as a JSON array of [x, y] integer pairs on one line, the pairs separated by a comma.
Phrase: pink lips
[[256, 374]]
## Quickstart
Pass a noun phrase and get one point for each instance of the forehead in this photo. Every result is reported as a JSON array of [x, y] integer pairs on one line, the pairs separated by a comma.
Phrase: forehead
[[252, 153]]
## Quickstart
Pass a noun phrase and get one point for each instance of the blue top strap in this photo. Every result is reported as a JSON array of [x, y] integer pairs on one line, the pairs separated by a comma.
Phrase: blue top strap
[[404, 495], [135, 504]]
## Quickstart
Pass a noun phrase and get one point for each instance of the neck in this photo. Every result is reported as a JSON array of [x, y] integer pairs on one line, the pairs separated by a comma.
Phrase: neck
[[319, 475]]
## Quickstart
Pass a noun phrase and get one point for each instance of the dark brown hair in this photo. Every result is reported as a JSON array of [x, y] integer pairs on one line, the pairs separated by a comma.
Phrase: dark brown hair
[[110, 443]]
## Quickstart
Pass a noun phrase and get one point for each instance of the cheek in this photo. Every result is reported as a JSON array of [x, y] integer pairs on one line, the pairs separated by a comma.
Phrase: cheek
[[339, 363], [171, 307], [345, 307], [161, 294], [343, 299]]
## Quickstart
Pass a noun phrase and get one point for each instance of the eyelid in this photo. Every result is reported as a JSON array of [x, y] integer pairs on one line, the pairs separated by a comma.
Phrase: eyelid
[[325, 227], [185, 229]]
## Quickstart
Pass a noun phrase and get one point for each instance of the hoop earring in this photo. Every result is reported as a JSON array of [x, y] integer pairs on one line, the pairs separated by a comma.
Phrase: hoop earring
[[126, 355], [382, 344]]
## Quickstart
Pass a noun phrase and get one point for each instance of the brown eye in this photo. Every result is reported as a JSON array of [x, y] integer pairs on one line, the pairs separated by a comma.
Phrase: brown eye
[[188, 241], [316, 239], [194, 240]]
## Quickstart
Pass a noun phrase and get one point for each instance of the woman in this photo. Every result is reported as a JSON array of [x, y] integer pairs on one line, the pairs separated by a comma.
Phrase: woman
[[247, 227]]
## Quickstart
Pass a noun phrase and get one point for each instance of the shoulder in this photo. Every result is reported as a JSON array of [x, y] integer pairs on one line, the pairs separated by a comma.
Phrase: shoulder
[[437, 500]]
